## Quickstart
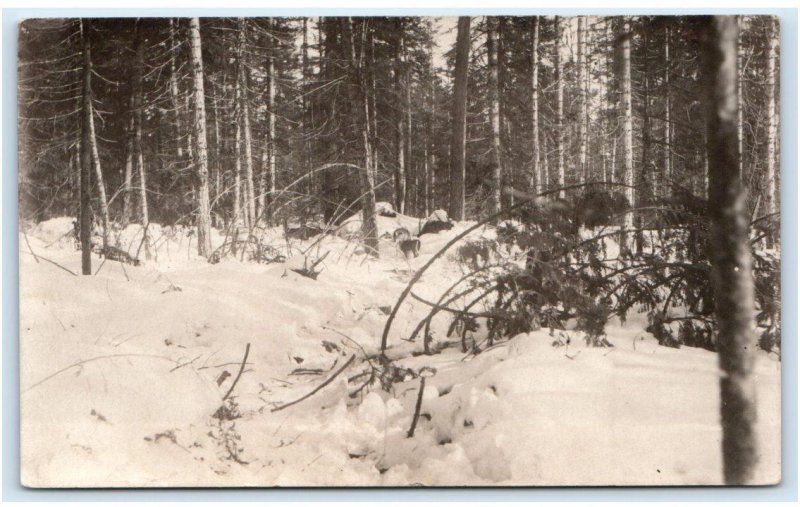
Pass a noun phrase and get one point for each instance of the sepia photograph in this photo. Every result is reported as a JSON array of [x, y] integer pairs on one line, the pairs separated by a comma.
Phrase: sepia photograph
[[407, 251]]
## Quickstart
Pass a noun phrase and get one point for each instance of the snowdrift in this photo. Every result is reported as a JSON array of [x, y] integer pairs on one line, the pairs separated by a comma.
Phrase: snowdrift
[[124, 373]]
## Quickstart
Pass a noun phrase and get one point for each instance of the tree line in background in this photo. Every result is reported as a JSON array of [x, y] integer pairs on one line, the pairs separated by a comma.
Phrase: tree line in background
[[209, 121]]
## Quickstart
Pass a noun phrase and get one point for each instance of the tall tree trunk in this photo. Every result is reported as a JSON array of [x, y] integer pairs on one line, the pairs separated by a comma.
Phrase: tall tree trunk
[[369, 224], [667, 112], [459, 121], [98, 173], [535, 177], [627, 118], [127, 181], [201, 149], [730, 254], [645, 174], [304, 121], [86, 155], [582, 100], [217, 161], [559, 79], [173, 86], [244, 116], [400, 178], [271, 132], [772, 121], [494, 115], [239, 211], [430, 156], [138, 107]]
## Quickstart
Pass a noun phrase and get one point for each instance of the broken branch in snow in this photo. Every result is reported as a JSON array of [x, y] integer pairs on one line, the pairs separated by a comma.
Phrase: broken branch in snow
[[55, 264], [29, 247], [238, 375], [316, 389], [417, 408]]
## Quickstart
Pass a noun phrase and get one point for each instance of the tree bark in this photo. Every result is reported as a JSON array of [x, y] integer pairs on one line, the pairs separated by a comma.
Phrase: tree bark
[[244, 117], [459, 121], [494, 115], [127, 182], [98, 173], [627, 118], [201, 148], [667, 123], [400, 176], [559, 79], [86, 155], [173, 86], [138, 108], [271, 125], [772, 121], [730, 253], [535, 177], [369, 224], [582, 101]]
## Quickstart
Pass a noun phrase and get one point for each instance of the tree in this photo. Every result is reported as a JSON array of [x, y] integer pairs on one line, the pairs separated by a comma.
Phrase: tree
[[624, 38], [730, 252], [138, 121], [559, 80], [86, 152], [494, 115], [772, 119], [535, 179], [203, 215], [459, 121]]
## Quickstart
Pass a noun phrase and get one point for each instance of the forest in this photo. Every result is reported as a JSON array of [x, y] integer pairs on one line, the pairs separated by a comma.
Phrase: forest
[[603, 184]]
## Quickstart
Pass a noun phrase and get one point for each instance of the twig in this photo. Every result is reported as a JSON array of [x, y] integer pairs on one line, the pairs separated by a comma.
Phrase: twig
[[340, 370], [100, 266], [55, 264], [186, 363], [25, 234], [241, 369], [418, 407], [79, 363]]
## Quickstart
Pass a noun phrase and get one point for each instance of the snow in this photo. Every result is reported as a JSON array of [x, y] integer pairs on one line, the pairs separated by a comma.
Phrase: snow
[[120, 372]]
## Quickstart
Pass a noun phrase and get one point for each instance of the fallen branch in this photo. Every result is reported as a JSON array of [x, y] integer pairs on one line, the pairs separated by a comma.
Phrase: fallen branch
[[54, 264], [316, 389], [29, 246], [418, 407], [238, 375]]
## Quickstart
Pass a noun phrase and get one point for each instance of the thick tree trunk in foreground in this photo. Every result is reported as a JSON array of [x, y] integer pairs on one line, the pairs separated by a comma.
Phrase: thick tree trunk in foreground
[[201, 149], [730, 252], [459, 121], [86, 155]]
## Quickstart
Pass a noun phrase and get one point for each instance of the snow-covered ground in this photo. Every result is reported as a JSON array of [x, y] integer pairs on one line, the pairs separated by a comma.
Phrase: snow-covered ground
[[122, 374]]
